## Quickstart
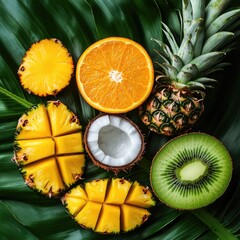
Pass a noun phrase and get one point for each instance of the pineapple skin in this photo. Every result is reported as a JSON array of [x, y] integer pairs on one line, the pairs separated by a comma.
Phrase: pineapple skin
[[170, 110]]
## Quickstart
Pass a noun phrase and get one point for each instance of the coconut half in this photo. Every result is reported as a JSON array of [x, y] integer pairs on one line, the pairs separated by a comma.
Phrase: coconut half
[[113, 142]]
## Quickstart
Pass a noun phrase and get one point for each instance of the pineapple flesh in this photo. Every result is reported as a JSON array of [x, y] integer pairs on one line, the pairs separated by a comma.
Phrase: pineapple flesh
[[177, 100], [46, 56], [109, 205], [48, 148]]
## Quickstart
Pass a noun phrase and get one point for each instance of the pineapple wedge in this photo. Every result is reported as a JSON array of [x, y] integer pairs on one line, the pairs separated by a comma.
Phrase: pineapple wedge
[[117, 191], [90, 209], [40, 177], [32, 150], [71, 167], [75, 205], [139, 196], [77, 192], [63, 121], [71, 143], [96, 190], [133, 217], [33, 124], [105, 225]]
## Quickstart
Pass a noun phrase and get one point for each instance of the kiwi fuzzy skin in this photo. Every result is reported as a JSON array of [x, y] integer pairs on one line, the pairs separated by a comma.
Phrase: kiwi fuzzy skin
[[179, 136], [114, 169]]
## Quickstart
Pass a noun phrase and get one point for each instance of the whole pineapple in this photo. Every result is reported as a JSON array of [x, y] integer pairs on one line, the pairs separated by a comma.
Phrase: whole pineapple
[[176, 102]]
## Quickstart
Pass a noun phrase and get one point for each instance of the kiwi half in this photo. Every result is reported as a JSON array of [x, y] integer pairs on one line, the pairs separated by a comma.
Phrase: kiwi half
[[191, 171]]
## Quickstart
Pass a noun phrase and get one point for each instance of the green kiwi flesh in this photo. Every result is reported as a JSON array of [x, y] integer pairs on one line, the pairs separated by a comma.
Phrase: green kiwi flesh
[[191, 171]]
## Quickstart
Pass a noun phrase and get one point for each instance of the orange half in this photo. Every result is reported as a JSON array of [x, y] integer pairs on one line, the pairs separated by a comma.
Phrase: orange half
[[115, 75]]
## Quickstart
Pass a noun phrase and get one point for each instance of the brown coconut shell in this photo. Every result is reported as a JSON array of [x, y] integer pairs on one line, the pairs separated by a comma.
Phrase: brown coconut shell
[[114, 169]]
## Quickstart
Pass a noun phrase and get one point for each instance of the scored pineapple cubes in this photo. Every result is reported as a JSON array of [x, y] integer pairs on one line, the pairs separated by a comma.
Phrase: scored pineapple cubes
[[109, 205], [48, 148]]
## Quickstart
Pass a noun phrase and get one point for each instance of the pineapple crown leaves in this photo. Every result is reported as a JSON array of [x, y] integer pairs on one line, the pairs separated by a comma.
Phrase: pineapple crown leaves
[[208, 34]]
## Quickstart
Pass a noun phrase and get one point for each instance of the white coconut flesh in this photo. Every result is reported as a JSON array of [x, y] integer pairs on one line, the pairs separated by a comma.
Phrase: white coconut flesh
[[114, 141]]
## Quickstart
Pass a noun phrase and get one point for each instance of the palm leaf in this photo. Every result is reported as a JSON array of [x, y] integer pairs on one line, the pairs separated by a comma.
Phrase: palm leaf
[[78, 24]]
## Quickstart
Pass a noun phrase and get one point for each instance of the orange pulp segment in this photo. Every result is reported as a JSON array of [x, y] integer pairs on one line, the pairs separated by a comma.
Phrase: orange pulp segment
[[115, 75]]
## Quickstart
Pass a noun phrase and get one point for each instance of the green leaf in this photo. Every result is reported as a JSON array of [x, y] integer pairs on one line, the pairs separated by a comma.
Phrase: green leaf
[[198, 8], [214, 225], [222, 22], [11, 226], [78, 23], [216, 41], [214, 9], [170, 38], [187, 15], [207, 60]]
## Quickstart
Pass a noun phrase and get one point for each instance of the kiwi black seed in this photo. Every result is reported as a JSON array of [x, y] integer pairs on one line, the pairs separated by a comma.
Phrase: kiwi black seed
[[191, 171]]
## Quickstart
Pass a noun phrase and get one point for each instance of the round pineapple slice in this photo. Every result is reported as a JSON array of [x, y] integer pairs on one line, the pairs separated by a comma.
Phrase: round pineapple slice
[[48, 148], [109, 205], [46, 68]]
